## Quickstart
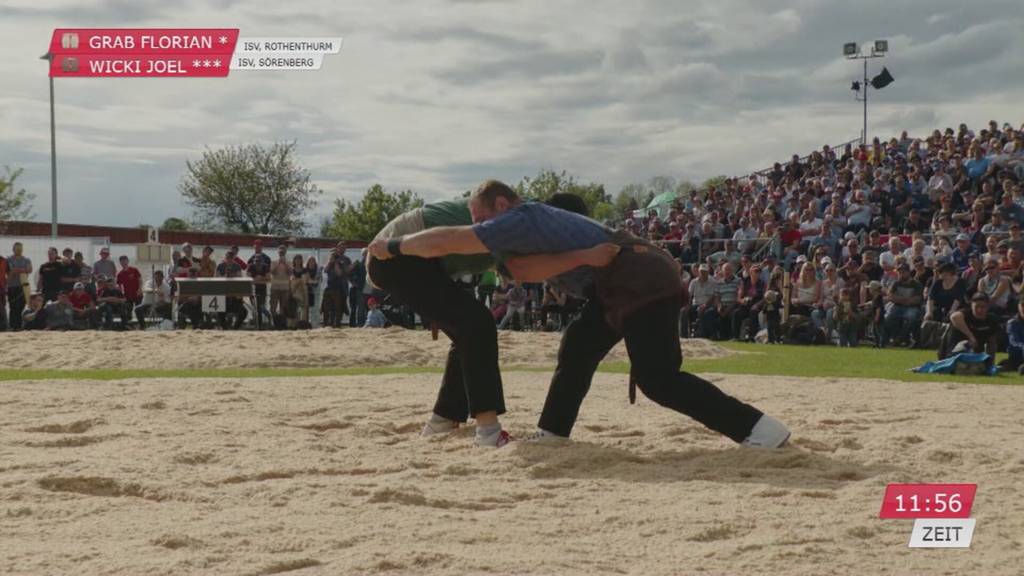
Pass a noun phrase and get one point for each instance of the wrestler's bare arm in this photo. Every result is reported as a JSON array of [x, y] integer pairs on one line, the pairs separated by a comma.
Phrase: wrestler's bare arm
[[434, 243]]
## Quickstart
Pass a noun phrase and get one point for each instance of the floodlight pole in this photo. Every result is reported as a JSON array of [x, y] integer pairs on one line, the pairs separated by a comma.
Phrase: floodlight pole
[[865, 85], [53, 154]]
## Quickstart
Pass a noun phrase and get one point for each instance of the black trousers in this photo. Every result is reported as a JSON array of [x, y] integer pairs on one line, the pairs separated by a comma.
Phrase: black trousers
[[472, 381], [652, 341], [16, 300]]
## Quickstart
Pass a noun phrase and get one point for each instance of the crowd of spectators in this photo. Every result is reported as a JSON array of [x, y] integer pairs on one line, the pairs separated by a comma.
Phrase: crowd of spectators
[[908, 242], [66, 293]]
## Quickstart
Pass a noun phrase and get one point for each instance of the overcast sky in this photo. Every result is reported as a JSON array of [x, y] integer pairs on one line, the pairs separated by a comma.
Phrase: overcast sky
[[438, 95]]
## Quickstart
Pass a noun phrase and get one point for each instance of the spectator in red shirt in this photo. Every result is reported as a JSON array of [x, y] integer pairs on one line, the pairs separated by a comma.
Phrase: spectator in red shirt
[[238, 259], [84, 308], [111, 301], [130, 281]]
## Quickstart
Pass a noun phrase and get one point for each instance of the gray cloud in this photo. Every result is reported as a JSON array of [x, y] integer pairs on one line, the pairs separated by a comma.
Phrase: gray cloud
[[440, 94]]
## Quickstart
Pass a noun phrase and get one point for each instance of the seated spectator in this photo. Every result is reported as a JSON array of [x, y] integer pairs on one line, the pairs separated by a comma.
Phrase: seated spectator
[[34, 317], [703, 292], [946, 295], [872, 309], [1015, 342], [374, 316], [997, 287], [922, 272], [190, 308], [726, 296], [887, 259], [110, 301], [748, 304], [83, 306], [973, 329], [156, 299], [727, 254], [903, 310], [962, 253], [60, 314], [230, 268], [846, 318], [806, 295]]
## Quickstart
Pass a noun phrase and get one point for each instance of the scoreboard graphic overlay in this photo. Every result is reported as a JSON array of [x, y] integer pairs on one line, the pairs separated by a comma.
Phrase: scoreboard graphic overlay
[[178, 52]]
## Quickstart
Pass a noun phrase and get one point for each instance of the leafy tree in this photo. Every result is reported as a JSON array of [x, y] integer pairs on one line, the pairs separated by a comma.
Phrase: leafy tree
[[547, 183], [15, 203], [363, 220], [251, 189], [717, 182], [629, 198], [175, 224]]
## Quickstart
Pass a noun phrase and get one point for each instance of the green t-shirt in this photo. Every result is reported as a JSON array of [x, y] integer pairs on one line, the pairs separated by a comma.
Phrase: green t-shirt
[[456, 213]]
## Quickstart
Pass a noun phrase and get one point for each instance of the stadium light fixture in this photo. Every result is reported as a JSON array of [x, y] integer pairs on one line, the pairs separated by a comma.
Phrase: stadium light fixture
[[852, 51]]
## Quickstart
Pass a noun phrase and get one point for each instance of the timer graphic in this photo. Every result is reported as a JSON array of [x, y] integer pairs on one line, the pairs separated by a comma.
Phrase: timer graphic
[[941, 512]]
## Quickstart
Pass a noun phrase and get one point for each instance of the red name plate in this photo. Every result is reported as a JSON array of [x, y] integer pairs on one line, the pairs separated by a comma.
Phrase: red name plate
[[928, 500], [136, 41], [146, 65]]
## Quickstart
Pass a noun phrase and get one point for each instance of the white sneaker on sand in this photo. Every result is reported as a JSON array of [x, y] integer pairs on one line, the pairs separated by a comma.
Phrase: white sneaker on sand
[[767, 433], [495, 440], [437, 426]]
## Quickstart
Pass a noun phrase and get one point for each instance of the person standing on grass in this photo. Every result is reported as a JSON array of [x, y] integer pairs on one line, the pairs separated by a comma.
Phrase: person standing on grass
[[634, 295]]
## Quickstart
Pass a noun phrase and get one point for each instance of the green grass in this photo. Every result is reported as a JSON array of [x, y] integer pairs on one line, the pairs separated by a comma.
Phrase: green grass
[[827, 362], [754, 359]]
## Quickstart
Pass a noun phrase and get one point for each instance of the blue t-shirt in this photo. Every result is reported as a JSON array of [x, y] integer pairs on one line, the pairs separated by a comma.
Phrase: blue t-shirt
[[534, 228], [976, 167]]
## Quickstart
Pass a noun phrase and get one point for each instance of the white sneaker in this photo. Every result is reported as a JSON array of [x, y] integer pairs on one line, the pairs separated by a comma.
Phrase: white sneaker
[[437, 426], [542, 436], [767, 433], [495, 440]]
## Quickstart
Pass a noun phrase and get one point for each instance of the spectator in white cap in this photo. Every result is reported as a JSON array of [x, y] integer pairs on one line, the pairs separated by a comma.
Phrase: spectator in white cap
[[962, 253], [186, 252]]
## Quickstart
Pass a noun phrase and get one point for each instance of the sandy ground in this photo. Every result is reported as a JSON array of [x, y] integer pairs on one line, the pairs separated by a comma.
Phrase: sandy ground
[[269, 349], [328, 476]]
